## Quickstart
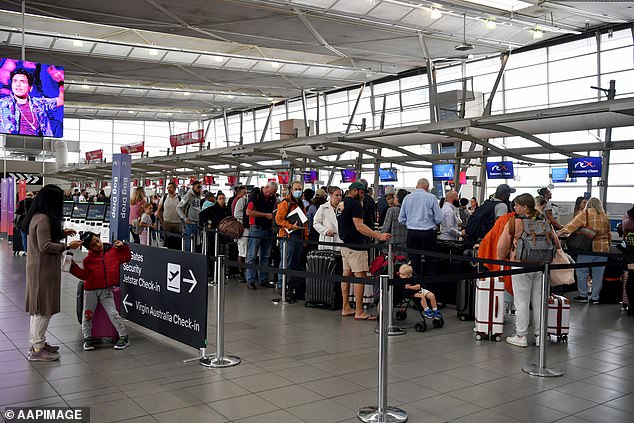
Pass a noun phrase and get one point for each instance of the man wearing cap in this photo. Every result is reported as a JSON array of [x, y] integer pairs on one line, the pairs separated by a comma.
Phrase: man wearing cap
[[421, 214], [354, 234], [369, 207], [501, 198]]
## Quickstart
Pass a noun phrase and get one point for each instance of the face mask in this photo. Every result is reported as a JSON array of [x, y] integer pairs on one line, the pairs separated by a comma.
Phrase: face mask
[[212, 203], [297, 194]]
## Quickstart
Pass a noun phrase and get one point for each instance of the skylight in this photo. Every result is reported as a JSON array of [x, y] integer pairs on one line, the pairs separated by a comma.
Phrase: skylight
[[508, 5]]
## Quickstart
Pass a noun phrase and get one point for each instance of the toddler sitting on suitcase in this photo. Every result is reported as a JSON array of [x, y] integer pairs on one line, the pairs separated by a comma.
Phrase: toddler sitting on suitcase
[[100, 274], [405, 272]]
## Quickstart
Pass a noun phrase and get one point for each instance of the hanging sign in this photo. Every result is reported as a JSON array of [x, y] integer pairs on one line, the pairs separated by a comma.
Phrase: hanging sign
[[283, 177], [21, 190], [119, 210], [232, 180], [94, 155], [193, 137], [133, 148], [500, 170], [584, 167]]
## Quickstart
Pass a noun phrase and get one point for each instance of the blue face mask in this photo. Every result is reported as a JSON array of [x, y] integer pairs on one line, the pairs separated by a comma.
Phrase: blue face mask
[[297, 194]]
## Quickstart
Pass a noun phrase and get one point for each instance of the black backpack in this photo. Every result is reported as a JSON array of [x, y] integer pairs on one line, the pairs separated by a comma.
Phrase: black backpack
[[481, 221]]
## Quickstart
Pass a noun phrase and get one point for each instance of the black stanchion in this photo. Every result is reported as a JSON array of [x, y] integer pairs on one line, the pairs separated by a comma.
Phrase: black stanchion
[[381, 413], [220, 359], [540, 368]]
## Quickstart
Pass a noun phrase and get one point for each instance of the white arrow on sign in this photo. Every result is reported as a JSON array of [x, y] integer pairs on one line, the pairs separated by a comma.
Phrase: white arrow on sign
[[126, 304], [193, 281]]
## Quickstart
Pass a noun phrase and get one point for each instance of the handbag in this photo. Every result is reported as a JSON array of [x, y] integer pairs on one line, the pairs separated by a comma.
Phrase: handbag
[[231, 227], [562, 276], [581, 239]]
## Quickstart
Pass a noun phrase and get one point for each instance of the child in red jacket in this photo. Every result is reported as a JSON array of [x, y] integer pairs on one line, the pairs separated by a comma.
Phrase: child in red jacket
[[100, 274]]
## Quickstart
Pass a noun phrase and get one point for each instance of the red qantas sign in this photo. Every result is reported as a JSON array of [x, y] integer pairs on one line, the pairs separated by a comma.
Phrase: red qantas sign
[[94, 155], [193, 137], [133, 148]]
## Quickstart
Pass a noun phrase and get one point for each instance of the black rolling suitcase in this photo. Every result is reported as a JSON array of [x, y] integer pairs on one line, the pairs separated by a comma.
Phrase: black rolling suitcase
[[321, 292], [612, 290], [465, 299], [17, 240]]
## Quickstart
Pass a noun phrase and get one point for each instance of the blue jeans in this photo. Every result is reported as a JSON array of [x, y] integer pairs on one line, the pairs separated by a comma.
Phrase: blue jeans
[[258, 247], [293, 256], [597, 275], [190, 233], [24, 239]]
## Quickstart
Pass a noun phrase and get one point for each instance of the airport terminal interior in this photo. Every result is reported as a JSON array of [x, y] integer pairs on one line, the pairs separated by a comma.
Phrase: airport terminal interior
[[477, 97]]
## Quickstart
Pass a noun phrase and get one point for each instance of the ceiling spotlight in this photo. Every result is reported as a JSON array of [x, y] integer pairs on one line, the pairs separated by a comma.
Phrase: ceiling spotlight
[[78, 43], [85, 87], [187, 93], [231, 96], [152, 52], [270, 98], [219, 59], [491, 25], [435, 13], [275, 65], [538, 33], [464, 46], [130, 111]]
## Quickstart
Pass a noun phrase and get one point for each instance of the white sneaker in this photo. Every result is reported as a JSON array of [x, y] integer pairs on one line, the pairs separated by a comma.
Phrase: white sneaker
[[518, 341]]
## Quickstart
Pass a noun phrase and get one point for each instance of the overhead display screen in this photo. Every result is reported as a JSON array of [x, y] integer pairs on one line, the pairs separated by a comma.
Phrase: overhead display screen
[[310, 177], [388, 174], [442, 172], [584, 167], [348, 175], [500, 170], [68, 208], [31, 99], [560, 174]]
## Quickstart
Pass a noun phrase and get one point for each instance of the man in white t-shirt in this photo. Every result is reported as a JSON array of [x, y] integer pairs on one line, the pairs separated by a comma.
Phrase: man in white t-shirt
[[168, 216]]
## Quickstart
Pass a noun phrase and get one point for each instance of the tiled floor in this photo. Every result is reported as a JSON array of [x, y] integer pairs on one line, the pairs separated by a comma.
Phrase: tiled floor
[[309, 365]]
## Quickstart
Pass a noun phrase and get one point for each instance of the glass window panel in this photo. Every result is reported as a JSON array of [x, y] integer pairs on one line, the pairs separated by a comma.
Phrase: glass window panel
[[528, 58], [525, 76], [616, 60], [572, 49], [575, 67], [526, 98]]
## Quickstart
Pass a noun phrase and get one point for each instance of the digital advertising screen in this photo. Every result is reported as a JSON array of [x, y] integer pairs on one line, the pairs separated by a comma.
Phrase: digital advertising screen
[[500, 170], [584, 167], [79, 211], [442, 172], [388, 174], [31, 99], [348, 175], [96, 211], [560, 174], [310, 177], [68, 208]]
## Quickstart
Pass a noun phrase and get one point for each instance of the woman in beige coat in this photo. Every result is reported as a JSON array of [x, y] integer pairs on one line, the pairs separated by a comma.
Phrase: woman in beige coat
[[43, 267]]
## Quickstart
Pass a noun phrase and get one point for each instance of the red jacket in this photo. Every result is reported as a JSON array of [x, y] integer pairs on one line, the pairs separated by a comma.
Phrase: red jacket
[[101, 270]]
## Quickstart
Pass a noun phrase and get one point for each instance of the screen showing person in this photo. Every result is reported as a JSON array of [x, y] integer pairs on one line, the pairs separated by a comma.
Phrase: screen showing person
[[31, 99]]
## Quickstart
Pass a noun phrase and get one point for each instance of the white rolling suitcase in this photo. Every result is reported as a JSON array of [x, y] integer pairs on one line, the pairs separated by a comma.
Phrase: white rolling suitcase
[[559, 317], [489, 309]]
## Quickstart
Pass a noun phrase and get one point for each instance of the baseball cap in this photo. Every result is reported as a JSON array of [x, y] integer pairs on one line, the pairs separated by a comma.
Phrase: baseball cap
[[356, 185], [504, 189], [320, 192], [86, 237]]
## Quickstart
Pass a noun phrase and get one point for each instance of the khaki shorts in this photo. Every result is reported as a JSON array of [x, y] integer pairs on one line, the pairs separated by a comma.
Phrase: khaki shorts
[[355, 260]]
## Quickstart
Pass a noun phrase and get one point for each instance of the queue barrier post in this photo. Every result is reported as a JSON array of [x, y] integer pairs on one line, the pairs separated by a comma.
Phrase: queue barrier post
[[220, 359], [283, 300], [392, 330], [381, 413], [217, 263], [540, 369]]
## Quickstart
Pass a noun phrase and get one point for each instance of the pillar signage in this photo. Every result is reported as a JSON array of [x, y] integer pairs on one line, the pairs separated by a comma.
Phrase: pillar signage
[[166, 291], [10, 204], [4, 194], [119, 210], [21, 190]]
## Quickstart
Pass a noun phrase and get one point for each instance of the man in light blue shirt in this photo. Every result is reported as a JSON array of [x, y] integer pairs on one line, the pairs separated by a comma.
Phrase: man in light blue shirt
[[449, 227], [421, 214]]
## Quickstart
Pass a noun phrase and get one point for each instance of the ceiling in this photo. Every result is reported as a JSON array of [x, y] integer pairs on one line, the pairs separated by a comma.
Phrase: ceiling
[[192, 59]]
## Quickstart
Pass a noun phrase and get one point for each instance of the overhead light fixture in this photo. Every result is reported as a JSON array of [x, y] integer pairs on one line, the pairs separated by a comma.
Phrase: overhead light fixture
[[435, 13], [270, 98], [491, 25], [78, 43], [85, 87], [152, 52], [275, 65], [538, 33], [464, 46], [187, 93], [231, 96], [219, 59], [130, 111]]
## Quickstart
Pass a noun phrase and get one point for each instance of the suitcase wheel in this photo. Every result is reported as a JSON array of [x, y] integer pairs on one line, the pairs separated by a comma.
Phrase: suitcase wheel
[[401, 315], [420, 326], [438, 323], [462, 317], [562, 338], [478, 336], [498, 338]]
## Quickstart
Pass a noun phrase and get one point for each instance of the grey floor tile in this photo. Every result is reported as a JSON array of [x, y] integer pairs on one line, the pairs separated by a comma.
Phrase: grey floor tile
[[67, 371], [216, 391], [142, 419], [198, 413], [261, 382], [243, 407], [290, 396], [605, 414], [166, 401], [27, 377], [332, 387], [473, 374], [624, 403], [561, 402], [24, 393], [322, 411], [589, 392], [446, 407], [611, 382], [79, 384], [303, 374], [485, 416], [442, 383], [115, 411], [279, 416], [482, 397], [528, 412]]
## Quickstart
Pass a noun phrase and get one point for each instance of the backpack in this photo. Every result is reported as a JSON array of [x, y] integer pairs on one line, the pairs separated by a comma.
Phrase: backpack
[[481, 221], [231, 227], [628, 242], [535, 244], [136, 227]]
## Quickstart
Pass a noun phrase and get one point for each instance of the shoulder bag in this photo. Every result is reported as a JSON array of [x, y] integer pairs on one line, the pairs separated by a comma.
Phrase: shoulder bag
[[581, 239]]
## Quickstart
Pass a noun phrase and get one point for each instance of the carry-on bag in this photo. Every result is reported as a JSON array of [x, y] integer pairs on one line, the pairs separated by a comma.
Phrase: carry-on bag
[[465, 299], [102, 328], [612, 289], [319, 292], [558, 317], [17, 240], [489, 309]]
